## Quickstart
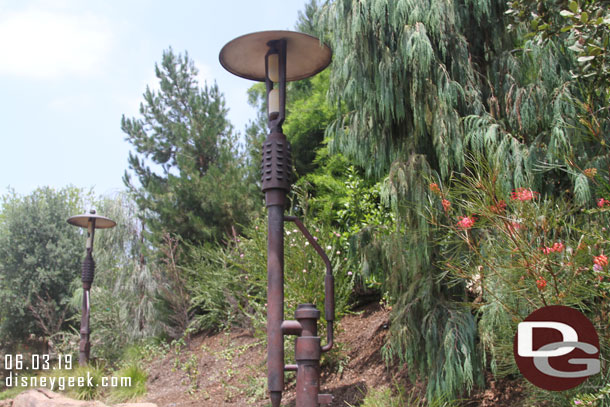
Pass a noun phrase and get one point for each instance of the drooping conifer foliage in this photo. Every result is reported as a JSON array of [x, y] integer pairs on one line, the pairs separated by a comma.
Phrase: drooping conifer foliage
[[425, 84]]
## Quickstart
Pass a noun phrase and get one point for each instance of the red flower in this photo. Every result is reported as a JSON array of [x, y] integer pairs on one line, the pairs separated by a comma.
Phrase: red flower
[[466, 222], [523, 194], [498, 208], [600, 260], [601, 202], [557, 248], [541, 283], [434, 188], [446, 205]]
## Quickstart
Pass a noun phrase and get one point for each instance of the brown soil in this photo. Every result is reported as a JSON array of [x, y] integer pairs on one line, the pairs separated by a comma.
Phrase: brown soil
[[228, 369]]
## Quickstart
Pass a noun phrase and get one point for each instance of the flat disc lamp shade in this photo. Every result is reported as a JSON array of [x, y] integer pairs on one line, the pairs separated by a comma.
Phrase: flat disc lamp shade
[[245, 56], [82, 221]]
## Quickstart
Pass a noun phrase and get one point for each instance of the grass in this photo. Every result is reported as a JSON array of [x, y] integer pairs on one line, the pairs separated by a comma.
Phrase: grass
[[137, 384], [398, 397]]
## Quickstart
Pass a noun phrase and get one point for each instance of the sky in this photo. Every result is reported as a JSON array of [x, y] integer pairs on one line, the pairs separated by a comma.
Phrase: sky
[[69, 70]]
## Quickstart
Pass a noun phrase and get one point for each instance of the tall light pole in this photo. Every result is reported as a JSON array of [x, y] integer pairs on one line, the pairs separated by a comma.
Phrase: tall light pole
[[89, 221], [275, 57]]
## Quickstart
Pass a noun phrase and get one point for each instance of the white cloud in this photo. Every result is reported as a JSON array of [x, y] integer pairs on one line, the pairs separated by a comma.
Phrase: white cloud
[[46, 44], [205, 74]]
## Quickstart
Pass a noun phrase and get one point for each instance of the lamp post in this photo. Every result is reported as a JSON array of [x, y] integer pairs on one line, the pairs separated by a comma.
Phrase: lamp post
[[275, 57], [89, 221]]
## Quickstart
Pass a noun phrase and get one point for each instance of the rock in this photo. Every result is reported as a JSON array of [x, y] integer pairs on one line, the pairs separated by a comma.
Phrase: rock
[[6, 403], [47, 398]]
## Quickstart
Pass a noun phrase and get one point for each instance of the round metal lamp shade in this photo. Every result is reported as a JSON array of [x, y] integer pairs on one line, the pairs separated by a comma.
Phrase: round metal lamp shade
[[101, 222], [245, 56]]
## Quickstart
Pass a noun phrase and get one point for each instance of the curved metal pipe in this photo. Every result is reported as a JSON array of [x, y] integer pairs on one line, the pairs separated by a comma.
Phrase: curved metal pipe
[[329, 282]]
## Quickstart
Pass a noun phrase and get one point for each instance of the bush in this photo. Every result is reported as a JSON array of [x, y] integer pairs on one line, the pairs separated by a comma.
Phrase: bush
[[229, 284], [516, 252]]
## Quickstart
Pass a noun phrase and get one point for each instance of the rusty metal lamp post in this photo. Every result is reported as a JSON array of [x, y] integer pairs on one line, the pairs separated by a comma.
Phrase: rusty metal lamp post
[[89, 221], [275, 57]]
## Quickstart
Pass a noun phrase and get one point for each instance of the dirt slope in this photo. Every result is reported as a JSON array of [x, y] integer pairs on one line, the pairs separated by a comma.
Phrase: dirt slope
[[228, 369]]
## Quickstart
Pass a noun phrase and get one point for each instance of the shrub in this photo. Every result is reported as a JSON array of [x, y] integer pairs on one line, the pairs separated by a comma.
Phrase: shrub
[[516, 252], [229, 283]]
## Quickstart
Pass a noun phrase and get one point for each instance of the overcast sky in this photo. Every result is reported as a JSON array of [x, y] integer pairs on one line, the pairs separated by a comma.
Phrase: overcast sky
[[70, 68]]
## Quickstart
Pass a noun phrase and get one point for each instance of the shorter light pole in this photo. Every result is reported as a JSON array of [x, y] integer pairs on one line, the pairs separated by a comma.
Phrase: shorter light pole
[[89, 221]]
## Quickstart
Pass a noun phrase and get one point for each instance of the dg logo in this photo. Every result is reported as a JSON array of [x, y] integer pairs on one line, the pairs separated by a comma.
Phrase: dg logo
[[556, 348]]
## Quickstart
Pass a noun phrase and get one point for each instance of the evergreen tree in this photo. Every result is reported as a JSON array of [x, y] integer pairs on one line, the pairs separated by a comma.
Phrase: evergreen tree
[[190, 182], [424, 84]]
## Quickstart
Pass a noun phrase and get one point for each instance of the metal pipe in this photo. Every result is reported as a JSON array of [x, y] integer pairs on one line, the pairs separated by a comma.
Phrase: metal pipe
[[87, 275], [307, 354], [85, 344], [329, 282], [275, 301]]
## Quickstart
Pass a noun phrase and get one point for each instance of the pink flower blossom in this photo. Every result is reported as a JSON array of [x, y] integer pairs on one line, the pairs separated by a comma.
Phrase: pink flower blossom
[[556, 248], [600, 260], [601, 202], [523, 194], [446, 205], [466, 222]]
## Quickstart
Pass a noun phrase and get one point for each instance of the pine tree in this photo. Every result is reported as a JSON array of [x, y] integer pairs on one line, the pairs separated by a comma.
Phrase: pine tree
[[185, 161]]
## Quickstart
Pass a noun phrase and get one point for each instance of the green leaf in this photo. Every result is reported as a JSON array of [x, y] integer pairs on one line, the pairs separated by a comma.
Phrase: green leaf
[[586, 58], [584, 17], [573, 6], [566, 13]]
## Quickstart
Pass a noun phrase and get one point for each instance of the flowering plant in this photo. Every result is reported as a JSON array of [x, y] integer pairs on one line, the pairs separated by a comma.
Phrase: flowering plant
[[522, 251]]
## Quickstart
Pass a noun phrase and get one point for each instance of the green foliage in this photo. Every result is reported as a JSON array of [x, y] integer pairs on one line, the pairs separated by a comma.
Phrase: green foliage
[[396, 396], [338, 195], [520, 252], [229, 284], [583, 25], [136, 376], [86, 391], [184, 151], [422, 85], [308, 115], [40, 255]]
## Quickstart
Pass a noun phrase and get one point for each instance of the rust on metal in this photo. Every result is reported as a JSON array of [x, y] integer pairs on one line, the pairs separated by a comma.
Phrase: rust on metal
[[90, 221], [329, 282], [276, 57]]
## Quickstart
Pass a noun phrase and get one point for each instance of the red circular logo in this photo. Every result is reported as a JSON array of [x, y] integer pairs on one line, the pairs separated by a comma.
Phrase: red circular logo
[[556, 348]]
